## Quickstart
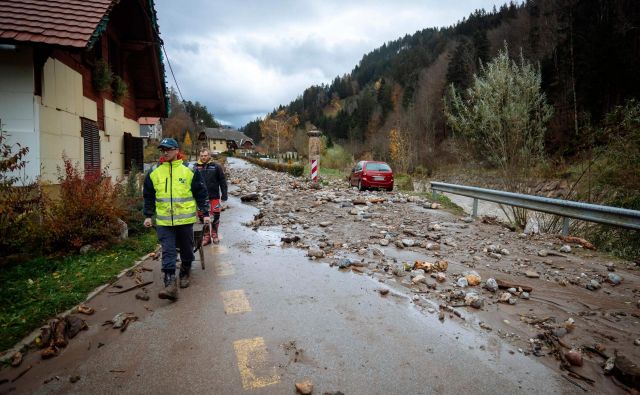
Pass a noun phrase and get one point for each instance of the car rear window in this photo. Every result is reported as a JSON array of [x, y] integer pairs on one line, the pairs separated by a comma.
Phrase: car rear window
[[378, 167]]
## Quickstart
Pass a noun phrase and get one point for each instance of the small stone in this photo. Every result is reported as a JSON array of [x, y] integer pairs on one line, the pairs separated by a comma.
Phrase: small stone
[[614, 279], [513, 300], [384, 242], [474, 300], [440, 277], [441, 315], [525, 295], [495, 255], [611, 267], [462, 282], [467, 219], [609, 365], [574, 357], [532, 274], [566, 249], [16, 359], [512, 291], [325, 224], [142, 296], [505, 297], [344, 263], [560, 332], [485, 326], [593, 285], [432, 246], [304, 387], [636, 342], [504, 251], [473, 279], [74, 379], [383, 291], [408, 242], [491, 285], [85, 249], [418, 279], [543, 253], [315, 253]]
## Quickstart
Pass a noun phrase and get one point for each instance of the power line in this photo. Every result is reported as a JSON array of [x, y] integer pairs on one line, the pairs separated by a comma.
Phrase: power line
[[172, 74]]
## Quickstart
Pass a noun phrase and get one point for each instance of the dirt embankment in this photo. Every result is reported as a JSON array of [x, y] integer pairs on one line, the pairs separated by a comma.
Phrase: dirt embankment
[[557, 301]]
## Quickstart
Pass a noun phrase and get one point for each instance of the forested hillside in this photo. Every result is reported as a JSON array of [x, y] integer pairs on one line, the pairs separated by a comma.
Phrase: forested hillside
[[587, 50]]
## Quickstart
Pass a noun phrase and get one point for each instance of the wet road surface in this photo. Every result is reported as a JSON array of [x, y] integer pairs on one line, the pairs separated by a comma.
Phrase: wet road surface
[[262, 317]]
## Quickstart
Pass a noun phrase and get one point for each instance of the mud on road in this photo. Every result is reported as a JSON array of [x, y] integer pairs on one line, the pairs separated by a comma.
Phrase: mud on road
[[581, 307]]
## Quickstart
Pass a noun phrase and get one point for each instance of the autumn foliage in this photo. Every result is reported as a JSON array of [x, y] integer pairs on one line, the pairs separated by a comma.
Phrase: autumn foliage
[[87, 211]]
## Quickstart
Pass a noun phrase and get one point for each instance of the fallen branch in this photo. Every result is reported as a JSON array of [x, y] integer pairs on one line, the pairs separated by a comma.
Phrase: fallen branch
[[574, 383], [502, 284], [22, 373], [131, 288]]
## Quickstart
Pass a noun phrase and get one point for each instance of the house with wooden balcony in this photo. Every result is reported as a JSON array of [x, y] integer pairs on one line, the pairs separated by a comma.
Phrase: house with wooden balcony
[[75, 77]]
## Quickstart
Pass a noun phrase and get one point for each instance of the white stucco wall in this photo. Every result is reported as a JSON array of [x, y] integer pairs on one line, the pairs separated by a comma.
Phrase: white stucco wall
[[18, 106], [112, 145]]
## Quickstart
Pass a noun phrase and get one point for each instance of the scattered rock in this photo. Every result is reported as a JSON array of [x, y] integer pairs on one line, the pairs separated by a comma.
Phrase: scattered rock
[[250, 197], [383, 291], [418, 279], [408, 242], [384, 242], [84, 309], [505, 297], [441, 277], [290, 239], [85, 249], [566, 249], [315, 253], [593, 285], [525, 295], [462, 282], [325, 224], [74, 379], [304, 387], [614, 279], [473, 279], [474, 300], [574, 357], [532, 274], [16, 359], [142, 296], [491, 285]]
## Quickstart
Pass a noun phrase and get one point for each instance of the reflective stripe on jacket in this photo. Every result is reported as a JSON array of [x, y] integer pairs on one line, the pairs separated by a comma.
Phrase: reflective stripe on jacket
[[175, 204]]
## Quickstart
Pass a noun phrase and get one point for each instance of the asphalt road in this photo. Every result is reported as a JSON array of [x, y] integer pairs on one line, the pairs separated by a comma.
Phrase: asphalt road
[[262, 317]]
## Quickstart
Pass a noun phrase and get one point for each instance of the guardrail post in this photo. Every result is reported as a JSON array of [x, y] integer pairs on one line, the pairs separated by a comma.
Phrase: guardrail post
[[565, 226], [434, 194], [475, 208]]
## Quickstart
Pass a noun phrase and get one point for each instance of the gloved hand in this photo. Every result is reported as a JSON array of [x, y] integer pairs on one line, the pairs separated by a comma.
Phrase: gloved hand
[[147, 222]]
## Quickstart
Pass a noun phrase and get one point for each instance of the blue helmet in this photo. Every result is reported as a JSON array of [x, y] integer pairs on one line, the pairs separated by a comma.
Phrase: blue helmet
[[168, 142]]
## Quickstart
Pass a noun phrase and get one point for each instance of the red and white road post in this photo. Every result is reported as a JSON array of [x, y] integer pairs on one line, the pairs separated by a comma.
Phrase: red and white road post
[[314, 154]]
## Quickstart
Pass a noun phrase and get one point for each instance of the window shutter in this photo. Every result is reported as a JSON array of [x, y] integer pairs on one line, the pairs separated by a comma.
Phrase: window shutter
[[91, 147]]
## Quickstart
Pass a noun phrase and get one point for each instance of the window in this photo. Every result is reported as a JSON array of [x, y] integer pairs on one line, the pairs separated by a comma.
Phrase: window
[[91, 146], [133, 152], [378, 167]]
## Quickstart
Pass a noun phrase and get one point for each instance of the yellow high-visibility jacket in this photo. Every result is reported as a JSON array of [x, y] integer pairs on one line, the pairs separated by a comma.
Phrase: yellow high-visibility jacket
[[172, 191]]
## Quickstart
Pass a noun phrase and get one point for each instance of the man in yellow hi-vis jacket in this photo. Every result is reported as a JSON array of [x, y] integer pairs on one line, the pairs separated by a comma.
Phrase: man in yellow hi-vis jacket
[[173, 192]]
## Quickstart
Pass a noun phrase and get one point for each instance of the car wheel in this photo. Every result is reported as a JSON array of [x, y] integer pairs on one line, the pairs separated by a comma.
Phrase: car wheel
[[389, 189], [360, 187]]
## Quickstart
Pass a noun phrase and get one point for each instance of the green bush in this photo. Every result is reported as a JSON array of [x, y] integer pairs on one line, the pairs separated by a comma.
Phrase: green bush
[[120, 89], [102, 75], [294, 170], [336, 157], [403, 182]]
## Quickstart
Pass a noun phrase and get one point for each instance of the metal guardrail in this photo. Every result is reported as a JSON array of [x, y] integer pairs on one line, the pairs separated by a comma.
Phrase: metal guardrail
[[565, 208]]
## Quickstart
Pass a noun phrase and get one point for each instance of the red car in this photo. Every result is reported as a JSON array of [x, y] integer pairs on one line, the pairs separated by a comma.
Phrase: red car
[[369, 174]]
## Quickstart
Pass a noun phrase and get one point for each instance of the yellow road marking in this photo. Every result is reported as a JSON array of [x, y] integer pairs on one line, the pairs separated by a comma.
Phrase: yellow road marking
[[252, 361], [224, 268], [235, 302], [218, 248]]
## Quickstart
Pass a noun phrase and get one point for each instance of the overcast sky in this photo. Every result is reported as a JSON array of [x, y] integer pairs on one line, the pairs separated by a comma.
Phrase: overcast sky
[[244, 58]]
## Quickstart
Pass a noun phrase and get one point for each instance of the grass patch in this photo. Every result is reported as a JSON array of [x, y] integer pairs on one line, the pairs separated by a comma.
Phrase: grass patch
[[326, 172], [39, 289]]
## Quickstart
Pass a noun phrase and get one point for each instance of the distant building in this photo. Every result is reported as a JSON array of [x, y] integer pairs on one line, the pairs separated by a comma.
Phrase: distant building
[[219, 140], [150, 128]]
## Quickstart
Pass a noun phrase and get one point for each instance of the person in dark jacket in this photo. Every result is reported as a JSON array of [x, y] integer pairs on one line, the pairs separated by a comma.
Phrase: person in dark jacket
[[173, 192], [216, 183]]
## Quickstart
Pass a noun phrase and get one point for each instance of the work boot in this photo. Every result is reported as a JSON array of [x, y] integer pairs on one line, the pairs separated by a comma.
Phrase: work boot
[[185, 273], [170, 290]]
